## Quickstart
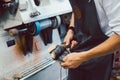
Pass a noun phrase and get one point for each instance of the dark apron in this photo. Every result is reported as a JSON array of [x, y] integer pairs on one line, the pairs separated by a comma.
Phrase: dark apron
[[89, 35]]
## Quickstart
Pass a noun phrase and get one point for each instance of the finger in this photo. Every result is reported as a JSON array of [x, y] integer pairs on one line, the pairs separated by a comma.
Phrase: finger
[[65, 67], [73, 43], [65, 59], [67, 42], [63, 64]]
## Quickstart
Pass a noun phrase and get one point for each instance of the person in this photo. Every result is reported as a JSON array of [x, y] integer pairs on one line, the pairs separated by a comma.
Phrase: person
[[94, 34]]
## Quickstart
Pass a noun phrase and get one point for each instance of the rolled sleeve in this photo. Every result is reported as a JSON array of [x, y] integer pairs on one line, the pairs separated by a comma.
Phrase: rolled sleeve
[[112, 10]]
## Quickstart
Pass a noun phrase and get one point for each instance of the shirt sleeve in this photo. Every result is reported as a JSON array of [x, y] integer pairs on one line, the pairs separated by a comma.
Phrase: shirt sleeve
[[112, 10]]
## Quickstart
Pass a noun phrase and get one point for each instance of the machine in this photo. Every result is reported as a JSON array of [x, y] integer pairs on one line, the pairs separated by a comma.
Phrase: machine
[[27, 29]]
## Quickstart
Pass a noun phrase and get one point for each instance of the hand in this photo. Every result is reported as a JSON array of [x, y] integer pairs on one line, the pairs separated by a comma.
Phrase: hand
[[73, 43], [69, 37], [73, 60]]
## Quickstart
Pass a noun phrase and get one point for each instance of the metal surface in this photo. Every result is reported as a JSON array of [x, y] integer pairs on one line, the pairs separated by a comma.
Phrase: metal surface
[[47, 8], [26, 8], [52, 72], [7, 20], [12, 61]]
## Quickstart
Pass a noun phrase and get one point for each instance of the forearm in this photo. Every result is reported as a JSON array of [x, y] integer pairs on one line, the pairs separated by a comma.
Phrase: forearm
[[70, 33], [109, 46], [72, 20]]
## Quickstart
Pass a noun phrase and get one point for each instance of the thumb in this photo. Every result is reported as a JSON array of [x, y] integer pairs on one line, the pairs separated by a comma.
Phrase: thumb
[[73, 43], [67, 42]]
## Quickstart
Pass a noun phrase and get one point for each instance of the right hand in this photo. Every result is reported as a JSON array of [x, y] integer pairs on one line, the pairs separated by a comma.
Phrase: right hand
[[69, 39]]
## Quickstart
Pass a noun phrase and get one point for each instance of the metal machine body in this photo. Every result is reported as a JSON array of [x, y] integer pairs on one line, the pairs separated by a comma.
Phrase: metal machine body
[[42, 14]]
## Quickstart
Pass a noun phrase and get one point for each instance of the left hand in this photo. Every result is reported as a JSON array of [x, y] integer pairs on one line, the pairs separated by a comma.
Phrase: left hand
[[72, 60]]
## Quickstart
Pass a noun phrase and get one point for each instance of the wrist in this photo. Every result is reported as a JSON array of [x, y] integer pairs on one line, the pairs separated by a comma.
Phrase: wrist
[[84, 56], [71, 28]]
